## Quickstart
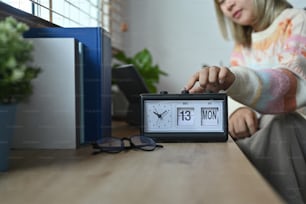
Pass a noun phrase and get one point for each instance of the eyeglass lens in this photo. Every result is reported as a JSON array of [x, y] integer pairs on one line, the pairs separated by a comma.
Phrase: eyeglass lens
[[113, 144]]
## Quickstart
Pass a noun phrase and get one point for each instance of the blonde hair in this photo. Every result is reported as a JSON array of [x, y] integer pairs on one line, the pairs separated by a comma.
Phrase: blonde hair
[[265, 11]]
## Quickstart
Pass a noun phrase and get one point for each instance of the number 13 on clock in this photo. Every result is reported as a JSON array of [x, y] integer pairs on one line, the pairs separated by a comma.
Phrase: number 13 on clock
[[185, 116]]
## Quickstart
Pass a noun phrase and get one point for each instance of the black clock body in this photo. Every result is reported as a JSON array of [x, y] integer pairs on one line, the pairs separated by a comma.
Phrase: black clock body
[[184, 117]]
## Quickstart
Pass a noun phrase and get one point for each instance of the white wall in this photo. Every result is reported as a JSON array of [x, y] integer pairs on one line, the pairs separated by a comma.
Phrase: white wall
[[298, 3], [181, 34]]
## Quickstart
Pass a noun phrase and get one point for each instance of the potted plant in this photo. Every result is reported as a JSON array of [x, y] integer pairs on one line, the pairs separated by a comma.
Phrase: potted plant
[[15, 78], [143, 62]]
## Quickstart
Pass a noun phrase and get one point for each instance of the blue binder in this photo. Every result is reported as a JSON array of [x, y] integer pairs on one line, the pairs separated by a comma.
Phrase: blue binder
[[97, 76]]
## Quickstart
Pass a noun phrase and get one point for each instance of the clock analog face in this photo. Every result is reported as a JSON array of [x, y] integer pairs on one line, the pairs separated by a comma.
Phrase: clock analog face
[[158, 116]]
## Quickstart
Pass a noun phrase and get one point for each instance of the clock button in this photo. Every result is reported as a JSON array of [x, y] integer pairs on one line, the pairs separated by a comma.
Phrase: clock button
[[184, 91], [163, 92]]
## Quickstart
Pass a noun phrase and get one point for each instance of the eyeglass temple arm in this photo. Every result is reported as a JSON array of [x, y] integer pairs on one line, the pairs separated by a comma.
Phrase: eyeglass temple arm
[[160, 146]]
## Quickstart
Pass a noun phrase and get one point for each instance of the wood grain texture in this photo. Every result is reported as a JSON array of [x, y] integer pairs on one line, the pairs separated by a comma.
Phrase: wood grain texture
[[179, 173]]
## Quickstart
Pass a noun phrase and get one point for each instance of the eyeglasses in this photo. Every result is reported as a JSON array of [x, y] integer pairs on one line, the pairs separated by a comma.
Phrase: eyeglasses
[[115, 145]]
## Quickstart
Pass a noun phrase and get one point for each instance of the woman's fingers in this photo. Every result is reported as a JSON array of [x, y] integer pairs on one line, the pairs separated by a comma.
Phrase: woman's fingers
[[192, 81], [212, 75], [222, 74], [252, 124], [243, 123], [211, 79]]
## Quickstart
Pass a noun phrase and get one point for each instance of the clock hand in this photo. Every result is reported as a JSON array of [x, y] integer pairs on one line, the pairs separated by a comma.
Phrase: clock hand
[[158, 115], [163, 113]]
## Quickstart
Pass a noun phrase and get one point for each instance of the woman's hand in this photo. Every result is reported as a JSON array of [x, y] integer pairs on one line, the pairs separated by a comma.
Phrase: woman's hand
[[210, 79], [242, 123]]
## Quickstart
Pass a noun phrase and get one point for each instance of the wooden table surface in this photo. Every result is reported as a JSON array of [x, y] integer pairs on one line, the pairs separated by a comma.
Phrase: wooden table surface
[[178, 173]]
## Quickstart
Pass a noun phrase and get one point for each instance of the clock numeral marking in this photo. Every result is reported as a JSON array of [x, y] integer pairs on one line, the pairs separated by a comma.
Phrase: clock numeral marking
[[186, 115]]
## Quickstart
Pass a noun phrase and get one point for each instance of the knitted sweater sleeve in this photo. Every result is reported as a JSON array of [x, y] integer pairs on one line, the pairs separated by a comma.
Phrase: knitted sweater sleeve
[[271, 76]]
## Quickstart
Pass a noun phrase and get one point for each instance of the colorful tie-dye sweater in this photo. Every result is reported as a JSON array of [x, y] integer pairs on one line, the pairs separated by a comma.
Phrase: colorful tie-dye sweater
[[271, 75]]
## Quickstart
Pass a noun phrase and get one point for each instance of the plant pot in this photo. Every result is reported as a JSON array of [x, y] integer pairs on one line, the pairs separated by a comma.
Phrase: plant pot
[[7, 124]]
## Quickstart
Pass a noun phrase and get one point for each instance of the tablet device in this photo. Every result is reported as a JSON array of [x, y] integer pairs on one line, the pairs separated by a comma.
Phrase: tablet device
[[131, 83]]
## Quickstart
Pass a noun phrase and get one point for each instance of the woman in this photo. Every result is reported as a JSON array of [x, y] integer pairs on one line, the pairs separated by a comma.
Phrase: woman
[[268, 76]]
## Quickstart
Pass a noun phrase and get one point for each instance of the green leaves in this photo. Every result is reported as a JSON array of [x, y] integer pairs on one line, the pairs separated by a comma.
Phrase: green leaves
[[15, 54], [143, 62]]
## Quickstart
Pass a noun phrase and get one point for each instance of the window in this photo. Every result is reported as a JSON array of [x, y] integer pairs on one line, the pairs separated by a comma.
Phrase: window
[[117, 22], [77, 13], [23, 5]]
